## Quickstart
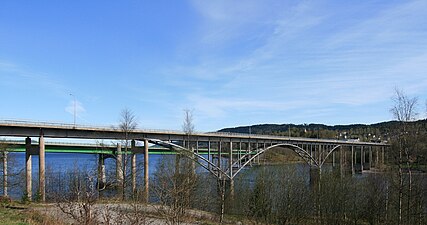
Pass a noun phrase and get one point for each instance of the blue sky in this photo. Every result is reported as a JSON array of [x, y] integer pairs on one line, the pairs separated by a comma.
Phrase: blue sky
[[232, 62]]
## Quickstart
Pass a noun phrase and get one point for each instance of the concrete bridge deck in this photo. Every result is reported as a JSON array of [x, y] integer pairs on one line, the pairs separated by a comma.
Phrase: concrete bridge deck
[[55, 130]]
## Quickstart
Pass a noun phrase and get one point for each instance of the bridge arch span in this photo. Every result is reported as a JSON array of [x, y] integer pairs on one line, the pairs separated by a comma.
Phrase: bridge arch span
[[244, 160], [251, 156], [212, 168]]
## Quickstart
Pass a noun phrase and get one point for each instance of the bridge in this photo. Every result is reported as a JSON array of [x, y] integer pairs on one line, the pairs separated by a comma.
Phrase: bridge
[[224, 155]]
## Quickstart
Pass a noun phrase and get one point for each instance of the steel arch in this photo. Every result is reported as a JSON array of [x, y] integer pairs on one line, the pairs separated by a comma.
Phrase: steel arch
[[329, 153], [187, 153], [300, 151]]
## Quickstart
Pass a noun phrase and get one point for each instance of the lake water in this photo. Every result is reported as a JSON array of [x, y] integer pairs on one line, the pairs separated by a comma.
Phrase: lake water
[[61, 163]]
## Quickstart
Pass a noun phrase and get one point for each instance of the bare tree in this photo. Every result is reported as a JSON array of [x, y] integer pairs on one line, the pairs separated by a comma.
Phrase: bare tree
[[404, 111], [4, 157], [9, 169], [404, 108], [188, 129], [127, 124], [174, 190], [78, 201], [188, 126]]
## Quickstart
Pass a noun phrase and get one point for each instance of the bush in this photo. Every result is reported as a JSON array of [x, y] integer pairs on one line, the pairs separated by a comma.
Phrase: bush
[[5, 201]]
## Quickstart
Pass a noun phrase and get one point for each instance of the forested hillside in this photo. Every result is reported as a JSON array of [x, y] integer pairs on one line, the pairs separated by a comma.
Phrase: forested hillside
[[373, 132]]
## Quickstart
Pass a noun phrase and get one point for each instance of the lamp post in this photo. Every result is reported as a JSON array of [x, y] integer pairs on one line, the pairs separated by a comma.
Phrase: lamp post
[[74, 109]]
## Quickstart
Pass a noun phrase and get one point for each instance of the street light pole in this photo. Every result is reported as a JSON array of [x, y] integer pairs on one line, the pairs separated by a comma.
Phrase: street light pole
[[74, 109]]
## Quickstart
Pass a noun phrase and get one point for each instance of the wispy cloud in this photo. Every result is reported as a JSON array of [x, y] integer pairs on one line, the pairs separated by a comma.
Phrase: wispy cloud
[[219, 107], [75, 108], [15, 75], [306, 55]]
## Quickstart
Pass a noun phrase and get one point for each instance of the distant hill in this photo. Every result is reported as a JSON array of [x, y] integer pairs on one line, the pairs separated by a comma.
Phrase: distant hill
[[372, 132]]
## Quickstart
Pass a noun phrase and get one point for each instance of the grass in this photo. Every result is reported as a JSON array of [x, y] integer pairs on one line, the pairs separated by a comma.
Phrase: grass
[[13, 216], [19, 214]]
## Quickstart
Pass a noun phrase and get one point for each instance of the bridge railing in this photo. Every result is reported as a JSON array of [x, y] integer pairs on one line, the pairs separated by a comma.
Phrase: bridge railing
[[77, 126]]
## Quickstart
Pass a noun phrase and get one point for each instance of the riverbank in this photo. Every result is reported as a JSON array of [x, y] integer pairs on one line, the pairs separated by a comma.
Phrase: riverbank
[[16, 213]]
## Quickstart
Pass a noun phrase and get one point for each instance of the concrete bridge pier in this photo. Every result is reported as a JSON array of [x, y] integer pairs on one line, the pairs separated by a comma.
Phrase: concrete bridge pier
[[370, 157], [239, 154], [209, 155], [362, 159], [133, 166], [315, 175], [102, 178], [219, 164], [352, 160], [42, 181], [230, 159], [231, 183], [119, 171], [342, 160], [35, 150], [333, 159], [5, 184], [311, 155], [28, 166], [146, 178]]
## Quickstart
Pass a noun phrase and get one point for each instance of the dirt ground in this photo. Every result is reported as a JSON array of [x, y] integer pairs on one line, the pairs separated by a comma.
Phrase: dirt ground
[[120, 213]]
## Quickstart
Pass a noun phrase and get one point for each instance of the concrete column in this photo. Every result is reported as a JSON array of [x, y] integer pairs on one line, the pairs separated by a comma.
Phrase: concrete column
[[370, 157], [314, 178], [341, 161], [345, 157], [146, 177], [232, 189], [249, 150], [197, 147], [352, 160], [311, 154], [102, 178], [42, 181], [383, 156], [362, 158], [119, 171], [133, 167], [209, 154], [377, 158], [28, 167], [219, 155], [257, 148], [240, 153], [333, 159], [230, 159], [5, 173]]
